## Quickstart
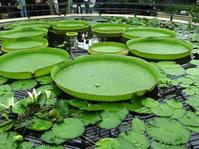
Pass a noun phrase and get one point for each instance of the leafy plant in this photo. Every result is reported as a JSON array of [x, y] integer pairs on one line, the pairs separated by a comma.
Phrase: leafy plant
[[51, 138], [160, 129], [38, 124], [111, 119], [107, 143], [23, 85], [69, 129], [138, 126], [44, 80], [133, 141], [157, 145]]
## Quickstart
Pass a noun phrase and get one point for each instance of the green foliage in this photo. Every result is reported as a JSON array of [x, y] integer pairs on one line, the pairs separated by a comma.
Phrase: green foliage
[[107, 143], [23, 85], [38, 124], [25, 145], [49, 147], [138, 126], [44, 80], [111, 119], [3, 80], [156, 145], [168, 131], [69, 129], [8, 140], [51, 138], [162, 110], [133, 141]]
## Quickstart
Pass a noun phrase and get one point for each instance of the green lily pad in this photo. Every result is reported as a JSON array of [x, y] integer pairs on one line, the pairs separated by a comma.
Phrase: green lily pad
[[90, 118], [23, 85], [50, 137], [108, 48], [24, 64], [23, 33], [159, 48], [160, 129], [189, 119], [69, 129], [178, 113], [25, 145], [96, 73], [133, 141], [107, 143], [62, 27], [150, 103], [195, 62], [24, 43], [143, 32], [157, 145], [109, 29], [138, 126], [30, 24], [174, 104], [8, 140], [44, 80], [193, 71], [193, 101], [49, 147], [162, 110], [38, 124], [112, 119], [3, 80]]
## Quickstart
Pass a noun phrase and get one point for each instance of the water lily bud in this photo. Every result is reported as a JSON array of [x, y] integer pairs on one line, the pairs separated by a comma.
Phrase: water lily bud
[[18, 138]]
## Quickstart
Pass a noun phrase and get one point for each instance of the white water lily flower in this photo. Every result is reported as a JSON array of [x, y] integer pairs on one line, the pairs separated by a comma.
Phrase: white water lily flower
[[11, 103], [47, 94], [34, 95]]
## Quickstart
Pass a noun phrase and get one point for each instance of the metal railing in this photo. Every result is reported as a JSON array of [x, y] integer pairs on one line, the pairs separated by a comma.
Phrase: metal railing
[[12, 11]]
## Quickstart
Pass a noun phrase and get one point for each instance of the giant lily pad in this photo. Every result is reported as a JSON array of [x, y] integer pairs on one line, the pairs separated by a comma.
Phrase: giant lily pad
[[159, 48], [108, 48], [32, 23], [109, 29], [23, 43], [63, 27], [105, 77], [143, 32], [23, 33], [25, 64]]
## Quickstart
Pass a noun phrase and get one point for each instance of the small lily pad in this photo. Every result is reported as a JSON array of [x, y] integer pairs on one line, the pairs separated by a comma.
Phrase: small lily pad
[[49, 147], [162, 110], [69, 129], [23, 85], [195, 62], [133, 141], [38, 124], [189, 119], [174, 104], [3, 80], [49, 137], [178, 113], [138, 126], [44, 80], [193, 101], [157, 145], [160, 129], [193, 71], [107, 143], [150, 103], [109, 120]]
